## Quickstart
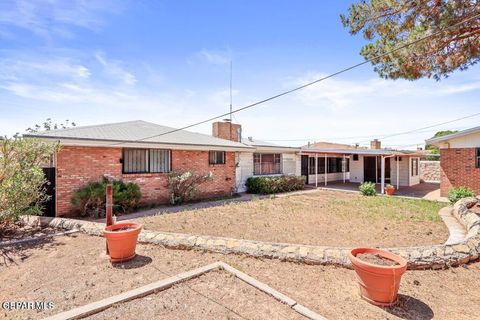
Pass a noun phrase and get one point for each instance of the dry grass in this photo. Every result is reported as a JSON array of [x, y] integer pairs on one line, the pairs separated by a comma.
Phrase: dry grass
[[320, 218]]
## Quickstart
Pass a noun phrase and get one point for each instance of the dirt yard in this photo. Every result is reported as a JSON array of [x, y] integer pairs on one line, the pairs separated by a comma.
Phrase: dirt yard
[[321, 218], [71, 271], [215, 295]]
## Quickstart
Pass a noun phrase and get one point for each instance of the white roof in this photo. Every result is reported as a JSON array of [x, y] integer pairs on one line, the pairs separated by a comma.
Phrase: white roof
[[373, 152], [137, 132], [453, 135]]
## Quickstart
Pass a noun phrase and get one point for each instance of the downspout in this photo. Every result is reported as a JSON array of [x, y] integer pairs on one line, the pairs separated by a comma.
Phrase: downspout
[[326, 173]]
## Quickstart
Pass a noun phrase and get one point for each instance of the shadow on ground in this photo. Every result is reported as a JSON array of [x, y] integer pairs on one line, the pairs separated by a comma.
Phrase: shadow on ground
[[138, 262], [410, 308]]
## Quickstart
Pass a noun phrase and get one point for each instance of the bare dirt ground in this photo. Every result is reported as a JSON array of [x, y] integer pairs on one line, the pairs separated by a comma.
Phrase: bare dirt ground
[[215, 295], [72, 271], [16, 231], [322, 218]]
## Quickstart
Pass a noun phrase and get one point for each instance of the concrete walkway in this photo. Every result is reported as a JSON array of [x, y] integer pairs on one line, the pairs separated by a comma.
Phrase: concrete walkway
[[455, 228]]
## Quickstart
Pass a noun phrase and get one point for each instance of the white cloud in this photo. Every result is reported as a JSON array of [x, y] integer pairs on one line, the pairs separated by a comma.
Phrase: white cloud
[[115, 70], [48, 18], [340, 93], [215, 57]]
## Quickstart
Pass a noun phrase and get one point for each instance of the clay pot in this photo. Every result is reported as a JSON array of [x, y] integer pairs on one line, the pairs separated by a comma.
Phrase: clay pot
[[390, 191], [122, 243], [378, 284]]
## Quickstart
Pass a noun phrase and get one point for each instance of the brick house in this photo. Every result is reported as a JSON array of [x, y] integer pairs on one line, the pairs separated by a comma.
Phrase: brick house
[[263, 159], [140, 152], [459, 160]]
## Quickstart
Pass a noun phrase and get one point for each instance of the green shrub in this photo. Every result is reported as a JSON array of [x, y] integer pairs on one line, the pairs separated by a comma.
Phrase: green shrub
[[269, 185], [183, 185], [368, 189], [456, 194], [90, 199], [22, 181]]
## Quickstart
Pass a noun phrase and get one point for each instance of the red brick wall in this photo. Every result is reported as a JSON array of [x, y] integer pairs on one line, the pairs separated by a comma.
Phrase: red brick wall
[[227, 130], [77, 166], [458, 169]]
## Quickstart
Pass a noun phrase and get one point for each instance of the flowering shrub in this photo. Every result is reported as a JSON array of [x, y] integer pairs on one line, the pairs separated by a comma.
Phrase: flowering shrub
[[183, 185]]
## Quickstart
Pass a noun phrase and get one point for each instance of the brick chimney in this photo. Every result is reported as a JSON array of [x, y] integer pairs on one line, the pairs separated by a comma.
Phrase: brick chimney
[[375, 144], [227, 130]]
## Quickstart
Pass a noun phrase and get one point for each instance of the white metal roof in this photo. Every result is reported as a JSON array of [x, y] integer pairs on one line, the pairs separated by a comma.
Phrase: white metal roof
[[453, 135], [373, 152], [137, 132]]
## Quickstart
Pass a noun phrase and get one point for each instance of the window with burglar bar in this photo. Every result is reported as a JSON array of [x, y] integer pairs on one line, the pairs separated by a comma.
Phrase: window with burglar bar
[[267, 163], [477, 163], [146, 161], [216, 157]]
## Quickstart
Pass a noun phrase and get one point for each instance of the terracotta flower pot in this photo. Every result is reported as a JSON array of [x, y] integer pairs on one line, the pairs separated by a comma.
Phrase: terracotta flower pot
[[378, 283], [122, 240], [390, 191]]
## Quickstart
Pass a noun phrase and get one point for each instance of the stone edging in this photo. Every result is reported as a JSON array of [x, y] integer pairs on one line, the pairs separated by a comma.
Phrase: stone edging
[[421, 257], [160, 285]]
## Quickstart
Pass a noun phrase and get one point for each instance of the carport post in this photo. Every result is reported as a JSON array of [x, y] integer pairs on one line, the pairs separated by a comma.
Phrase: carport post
[[344, 168], [316, 170], [326, 173], [398, 172], [382, 178]]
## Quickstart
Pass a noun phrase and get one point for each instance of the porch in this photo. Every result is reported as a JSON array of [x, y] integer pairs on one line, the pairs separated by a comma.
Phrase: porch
[[423, 190]]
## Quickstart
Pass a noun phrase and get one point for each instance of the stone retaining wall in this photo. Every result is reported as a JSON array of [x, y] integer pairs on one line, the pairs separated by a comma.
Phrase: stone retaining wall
[[430, 171], [423, 257]]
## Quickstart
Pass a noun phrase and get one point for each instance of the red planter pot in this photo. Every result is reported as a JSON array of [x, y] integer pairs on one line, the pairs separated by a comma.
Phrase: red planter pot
[[378, 284], [122, 243], [390, 191]]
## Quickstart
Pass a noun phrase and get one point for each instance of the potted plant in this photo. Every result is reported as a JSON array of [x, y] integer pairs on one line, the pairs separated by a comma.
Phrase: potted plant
[[389, 189], [378, 273], [122, 240]]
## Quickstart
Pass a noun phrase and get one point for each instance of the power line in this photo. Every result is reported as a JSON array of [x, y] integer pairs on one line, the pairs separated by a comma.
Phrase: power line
[[428, 127], [309, 83]]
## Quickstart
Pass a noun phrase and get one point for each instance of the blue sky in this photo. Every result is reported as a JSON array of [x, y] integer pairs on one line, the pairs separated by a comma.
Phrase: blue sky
[[168, 62]]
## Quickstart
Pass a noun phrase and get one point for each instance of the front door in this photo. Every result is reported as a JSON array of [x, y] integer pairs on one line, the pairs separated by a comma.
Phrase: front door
[[304, 170], [369, 169]]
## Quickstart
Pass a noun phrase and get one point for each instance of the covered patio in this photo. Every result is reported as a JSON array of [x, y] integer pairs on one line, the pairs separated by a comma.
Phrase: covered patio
[[423, 190], [380, 166]]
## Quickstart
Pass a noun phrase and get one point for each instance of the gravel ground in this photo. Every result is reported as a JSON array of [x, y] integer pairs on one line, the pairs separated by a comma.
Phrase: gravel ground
[[71, 271], [321, 218]]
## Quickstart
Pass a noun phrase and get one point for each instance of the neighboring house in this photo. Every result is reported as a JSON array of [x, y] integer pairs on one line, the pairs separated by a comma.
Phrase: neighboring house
[[140, 152], [459, 160], [264, 159], [323, 165]]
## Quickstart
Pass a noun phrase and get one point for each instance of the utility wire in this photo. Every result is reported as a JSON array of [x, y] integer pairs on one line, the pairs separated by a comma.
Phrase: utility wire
[[309, 83], [428, 127]]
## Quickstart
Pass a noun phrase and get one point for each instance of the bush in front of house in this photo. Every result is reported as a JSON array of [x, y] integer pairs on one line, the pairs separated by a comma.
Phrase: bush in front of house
[[183, 185], [22, 181], [270, 185], [368, 189], [458, 193], [90, 199]]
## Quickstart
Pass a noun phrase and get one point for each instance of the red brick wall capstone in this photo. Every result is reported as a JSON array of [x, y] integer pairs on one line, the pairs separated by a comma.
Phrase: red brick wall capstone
[[76, 166], [458, 169]]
